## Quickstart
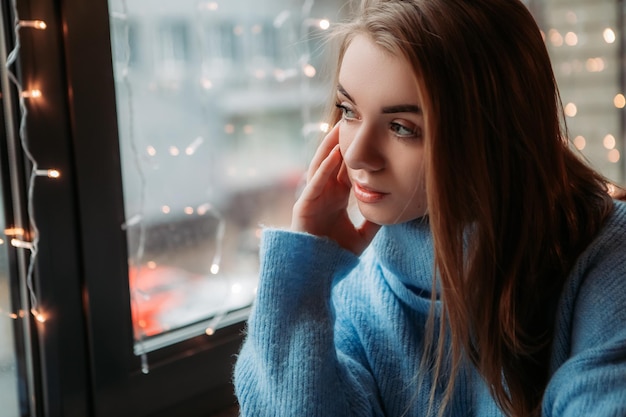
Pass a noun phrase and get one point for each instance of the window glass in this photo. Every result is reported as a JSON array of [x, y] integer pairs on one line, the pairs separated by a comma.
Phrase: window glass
[[8, 370], [219, 109], [8, 316], [583, 40]]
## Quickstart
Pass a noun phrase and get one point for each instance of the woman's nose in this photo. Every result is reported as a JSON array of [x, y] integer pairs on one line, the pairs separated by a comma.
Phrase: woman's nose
[[363, 151]]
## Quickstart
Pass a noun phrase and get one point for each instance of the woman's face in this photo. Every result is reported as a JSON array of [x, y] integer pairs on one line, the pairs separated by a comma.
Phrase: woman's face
[[381, 134]]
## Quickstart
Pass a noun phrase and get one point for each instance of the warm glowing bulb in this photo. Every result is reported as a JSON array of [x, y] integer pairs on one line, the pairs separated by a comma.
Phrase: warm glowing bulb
[[580, 142], [309, 71], [555, 37], [35, 24], [165, 209], [571, 38], [151, 150], [609, 35], [209, 331], [324, 24], [21, 244], [31, 93], [53, 173], [215, 268], [620, 101], [324, 127], [613, 156], [571, 110], [14, 231], [203, 209], [609, 142], [595, 64]]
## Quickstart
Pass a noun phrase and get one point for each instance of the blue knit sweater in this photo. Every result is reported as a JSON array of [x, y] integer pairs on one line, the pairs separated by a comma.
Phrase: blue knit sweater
[[331, 334]]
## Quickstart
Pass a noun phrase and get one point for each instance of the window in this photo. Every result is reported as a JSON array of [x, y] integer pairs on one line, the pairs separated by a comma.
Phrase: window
[[213, 145]]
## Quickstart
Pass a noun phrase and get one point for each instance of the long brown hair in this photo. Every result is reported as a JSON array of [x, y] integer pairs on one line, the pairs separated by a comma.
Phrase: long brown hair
[[510, 205]]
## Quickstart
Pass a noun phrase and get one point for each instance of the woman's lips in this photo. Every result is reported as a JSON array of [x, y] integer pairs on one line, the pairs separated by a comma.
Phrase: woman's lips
[[366, 195]]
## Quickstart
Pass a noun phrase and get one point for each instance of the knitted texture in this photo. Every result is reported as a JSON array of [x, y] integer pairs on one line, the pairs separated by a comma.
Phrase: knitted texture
[[331, 334]]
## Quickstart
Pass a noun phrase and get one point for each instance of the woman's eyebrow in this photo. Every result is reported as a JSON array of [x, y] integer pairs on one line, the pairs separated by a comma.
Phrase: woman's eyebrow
[[400, 108], [343, 91]]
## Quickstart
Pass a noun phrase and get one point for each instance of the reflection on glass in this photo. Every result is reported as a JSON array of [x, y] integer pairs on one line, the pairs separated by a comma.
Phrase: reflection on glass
[[219, 108]]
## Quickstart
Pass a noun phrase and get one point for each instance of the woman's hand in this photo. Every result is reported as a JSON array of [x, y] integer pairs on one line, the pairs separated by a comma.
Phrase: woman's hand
[[321, 209]]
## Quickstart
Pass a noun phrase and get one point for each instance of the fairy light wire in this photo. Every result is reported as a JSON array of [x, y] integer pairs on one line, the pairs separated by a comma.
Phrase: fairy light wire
[[33, 245], [27, 291]]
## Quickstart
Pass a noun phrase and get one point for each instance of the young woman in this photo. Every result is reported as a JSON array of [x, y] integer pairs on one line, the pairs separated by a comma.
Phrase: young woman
[[489, 275]]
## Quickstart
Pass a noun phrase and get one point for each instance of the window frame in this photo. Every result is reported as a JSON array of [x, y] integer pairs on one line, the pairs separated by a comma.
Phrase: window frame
[[86, 347]]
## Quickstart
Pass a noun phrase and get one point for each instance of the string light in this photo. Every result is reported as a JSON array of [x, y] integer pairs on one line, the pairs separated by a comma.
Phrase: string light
[[609, 141], [214, 323], [35, 24], [322, 24], [32, 245], [609, 35], [14, 231], [50, 173], [580, 142], [555, 37], [571, 39], [21, 244], [31, 94], [571, 110], [595, 64], [309, 71], [613, 156]]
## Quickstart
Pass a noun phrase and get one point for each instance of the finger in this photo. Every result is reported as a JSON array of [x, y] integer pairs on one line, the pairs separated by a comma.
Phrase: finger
[[342, 176], [323, 150], [327, 171]]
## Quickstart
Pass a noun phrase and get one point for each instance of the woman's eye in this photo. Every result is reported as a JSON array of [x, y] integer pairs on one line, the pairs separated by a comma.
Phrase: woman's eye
[[346, 112], [405, 132]]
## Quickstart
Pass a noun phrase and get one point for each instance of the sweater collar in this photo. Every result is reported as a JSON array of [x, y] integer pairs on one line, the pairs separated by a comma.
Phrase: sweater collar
[[405, 254]]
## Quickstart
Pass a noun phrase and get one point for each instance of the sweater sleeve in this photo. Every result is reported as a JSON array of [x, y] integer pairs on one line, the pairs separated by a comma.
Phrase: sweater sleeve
[[289, 364], [591, 383], [592, 380]]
